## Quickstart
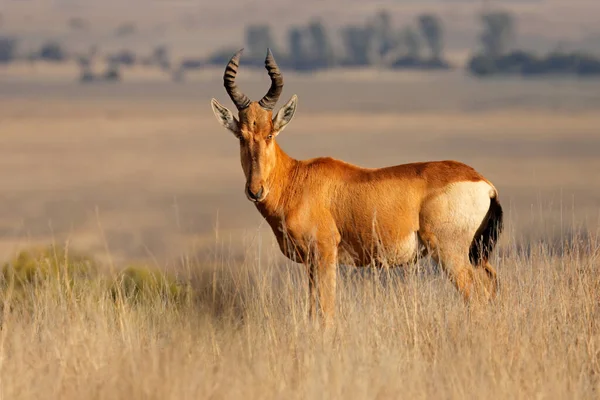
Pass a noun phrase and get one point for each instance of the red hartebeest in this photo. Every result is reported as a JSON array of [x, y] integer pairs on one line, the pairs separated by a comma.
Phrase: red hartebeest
[[324, 211]]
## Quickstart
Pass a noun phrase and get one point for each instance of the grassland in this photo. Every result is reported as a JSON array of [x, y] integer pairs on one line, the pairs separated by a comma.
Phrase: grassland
[[243, 335], [141, 172]]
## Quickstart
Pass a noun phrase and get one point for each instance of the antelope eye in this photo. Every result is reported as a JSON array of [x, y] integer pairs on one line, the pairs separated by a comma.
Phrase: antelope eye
[[269, 137]]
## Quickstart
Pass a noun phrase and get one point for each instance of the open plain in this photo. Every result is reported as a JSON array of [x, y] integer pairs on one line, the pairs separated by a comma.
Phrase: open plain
[[141, 172]]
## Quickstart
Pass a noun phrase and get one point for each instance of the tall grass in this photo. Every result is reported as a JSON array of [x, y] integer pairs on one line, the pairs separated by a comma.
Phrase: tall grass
[[241, 332]]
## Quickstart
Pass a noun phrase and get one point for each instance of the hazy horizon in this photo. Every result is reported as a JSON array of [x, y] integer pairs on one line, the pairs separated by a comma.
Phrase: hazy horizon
[[195, 28]]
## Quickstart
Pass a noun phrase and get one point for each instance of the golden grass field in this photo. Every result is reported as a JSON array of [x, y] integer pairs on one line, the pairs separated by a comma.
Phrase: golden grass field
[[142, 173]]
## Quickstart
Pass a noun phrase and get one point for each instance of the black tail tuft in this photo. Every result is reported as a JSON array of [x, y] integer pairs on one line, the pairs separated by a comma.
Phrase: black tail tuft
[[487, 235]]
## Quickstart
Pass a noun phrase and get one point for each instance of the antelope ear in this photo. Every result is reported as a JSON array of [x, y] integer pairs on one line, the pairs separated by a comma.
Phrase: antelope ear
[[285, 115], [225, 117]]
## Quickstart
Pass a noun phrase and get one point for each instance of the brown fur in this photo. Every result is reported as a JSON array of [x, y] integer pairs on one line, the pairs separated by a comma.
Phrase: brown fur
[[323, 211]]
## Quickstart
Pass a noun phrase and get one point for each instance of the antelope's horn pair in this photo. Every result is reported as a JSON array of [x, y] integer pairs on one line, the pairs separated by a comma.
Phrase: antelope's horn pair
[[242, 101]]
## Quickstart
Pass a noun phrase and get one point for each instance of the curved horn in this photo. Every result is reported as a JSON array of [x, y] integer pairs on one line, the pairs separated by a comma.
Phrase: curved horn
[[240, 100], [268, 102]]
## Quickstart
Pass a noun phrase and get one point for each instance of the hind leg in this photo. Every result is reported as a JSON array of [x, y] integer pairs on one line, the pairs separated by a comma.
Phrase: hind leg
[[449, 258], [448, 224], [488, 278], [473, 283], [460, 272], [451, 253]]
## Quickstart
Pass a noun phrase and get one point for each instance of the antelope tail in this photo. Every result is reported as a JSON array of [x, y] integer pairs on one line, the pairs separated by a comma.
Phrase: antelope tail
[[488, 233]]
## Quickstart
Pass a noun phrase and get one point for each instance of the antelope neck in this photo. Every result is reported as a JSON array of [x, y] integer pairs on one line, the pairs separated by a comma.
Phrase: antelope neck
[[279, 181]]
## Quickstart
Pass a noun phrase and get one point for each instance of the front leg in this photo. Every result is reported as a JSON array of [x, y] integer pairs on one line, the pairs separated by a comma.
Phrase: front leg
[[313, 304], [317, 248], [322, 277]]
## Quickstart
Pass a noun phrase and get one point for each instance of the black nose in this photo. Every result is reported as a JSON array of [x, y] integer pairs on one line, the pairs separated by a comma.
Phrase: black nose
[[255, 196]]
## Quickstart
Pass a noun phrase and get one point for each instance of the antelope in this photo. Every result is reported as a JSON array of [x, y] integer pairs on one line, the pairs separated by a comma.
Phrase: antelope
[[324, 211]]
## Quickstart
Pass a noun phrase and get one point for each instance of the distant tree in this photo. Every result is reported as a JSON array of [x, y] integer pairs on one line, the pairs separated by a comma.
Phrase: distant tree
[[482, 65], [357, 42], [123, 57], [296, 42], [192, 63], [85, 62], [410, 38], [554, 63], [160, 56], [321, 51], [384, 36], [588, 66], [86, 74], [52, 51], [499, 31], [258, 38], [113, 73], [222, 56], [298, 48], [524, 63], [432, 30], [8, 49]]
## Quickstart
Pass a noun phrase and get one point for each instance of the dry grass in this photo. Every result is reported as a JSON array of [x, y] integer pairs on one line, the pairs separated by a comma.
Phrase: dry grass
[[244, 335]]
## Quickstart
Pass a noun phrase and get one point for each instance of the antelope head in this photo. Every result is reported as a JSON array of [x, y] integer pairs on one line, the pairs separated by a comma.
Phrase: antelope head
[[255, 127]]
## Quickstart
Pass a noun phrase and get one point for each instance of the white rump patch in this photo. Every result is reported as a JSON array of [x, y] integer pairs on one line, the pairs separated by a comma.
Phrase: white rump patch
[[456, 214]]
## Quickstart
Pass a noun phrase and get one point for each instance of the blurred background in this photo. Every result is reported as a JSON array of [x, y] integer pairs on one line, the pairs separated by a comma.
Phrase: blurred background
[[107, 139]]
